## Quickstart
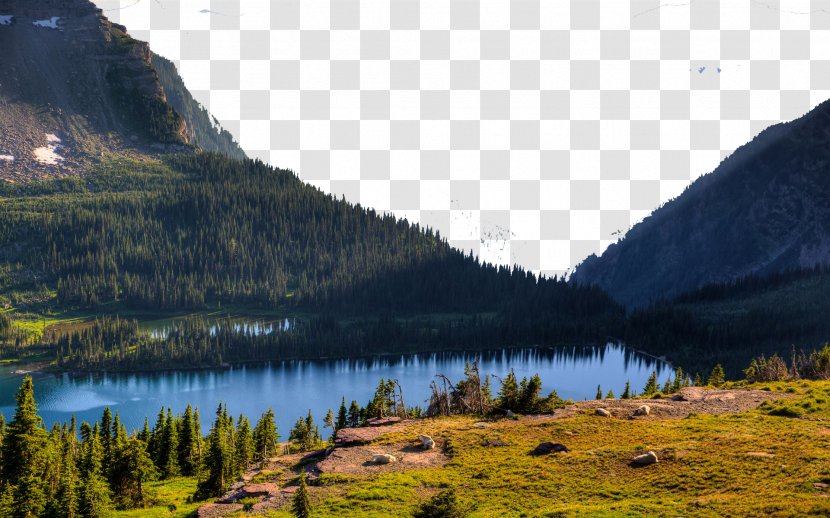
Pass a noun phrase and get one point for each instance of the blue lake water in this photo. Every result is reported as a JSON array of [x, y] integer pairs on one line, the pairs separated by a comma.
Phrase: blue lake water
[[292, 388]]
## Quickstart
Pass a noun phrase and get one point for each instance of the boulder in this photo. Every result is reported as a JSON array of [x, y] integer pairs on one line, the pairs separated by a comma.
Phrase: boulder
[[603, 412], [383, 458], [643, 410], [426, 442], [645, 459], [509, 414], [550, 447]]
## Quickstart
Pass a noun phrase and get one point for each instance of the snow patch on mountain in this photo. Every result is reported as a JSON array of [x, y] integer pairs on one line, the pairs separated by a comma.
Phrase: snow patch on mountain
[[51, 23], [47, 155]]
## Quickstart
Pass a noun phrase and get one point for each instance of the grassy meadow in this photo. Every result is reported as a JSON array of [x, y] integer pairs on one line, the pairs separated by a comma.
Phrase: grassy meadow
[[763, 462]]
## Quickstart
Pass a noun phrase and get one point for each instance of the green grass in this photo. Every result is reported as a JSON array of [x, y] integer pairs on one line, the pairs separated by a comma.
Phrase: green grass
[[709, 467], [815, 403], [171, 498]]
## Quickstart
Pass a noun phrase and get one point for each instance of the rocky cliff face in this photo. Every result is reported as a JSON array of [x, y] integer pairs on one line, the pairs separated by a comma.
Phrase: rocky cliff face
[[766, 208], [78, 85]]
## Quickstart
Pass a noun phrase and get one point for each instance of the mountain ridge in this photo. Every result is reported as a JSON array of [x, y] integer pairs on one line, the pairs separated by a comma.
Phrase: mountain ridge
[[762, 210]]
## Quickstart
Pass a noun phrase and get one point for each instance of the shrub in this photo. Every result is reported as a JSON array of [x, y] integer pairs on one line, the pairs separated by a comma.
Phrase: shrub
[[443, 505]]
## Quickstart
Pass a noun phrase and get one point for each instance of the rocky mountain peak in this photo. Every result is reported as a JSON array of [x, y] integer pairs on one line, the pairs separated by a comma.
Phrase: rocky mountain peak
[[73, 87]]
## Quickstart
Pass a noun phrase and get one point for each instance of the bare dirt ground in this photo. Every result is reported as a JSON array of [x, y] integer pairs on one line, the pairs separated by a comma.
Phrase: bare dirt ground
[[691, 400], [357, 459], [275, 480]]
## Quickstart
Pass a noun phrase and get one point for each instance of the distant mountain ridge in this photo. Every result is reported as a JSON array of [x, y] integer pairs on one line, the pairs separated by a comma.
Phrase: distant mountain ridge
[[766, 208]]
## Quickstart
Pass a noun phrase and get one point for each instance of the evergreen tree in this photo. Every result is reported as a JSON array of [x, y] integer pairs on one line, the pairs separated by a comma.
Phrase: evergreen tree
[[154, 446], [300, 503], [187, 444], [627, 391], [105, 431], [245, 447], [354, 415], [133, 467], [218, 457], [24, 454], [698, 382], [717, 378], [266, 438], [651, 385], [679, 380], [342, 416], [509, 392], [610, 394], [486, 392], [667, 386], [94, 498], [599, 392], [66, 503], [529, 397], [144, 434], [169, 448], [305, 434], [2, 434], [198, 441]]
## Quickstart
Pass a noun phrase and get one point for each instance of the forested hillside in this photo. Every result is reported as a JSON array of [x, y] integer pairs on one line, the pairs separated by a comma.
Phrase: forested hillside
[[732, 322], [203, 230]]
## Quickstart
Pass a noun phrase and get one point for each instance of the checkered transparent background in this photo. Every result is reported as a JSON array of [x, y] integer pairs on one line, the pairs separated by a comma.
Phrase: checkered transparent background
[[531, 131]]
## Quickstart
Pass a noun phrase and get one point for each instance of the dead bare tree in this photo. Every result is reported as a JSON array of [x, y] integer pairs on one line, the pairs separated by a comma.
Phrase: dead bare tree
[[397, 398]]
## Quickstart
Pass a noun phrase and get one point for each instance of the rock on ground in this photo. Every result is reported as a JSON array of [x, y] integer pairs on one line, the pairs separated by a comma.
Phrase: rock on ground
[[550, 447], [645, 459]]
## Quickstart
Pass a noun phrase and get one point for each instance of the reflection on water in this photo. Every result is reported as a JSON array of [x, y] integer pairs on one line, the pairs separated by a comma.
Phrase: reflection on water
[[164, 327], [291, 388]]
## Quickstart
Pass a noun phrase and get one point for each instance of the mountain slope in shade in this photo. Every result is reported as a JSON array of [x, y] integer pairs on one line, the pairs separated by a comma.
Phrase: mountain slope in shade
[[202, 129], [765, 209]]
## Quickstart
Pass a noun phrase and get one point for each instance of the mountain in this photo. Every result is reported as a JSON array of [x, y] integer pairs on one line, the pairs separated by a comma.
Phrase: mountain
[[765, 209], [203, 130], [137, 216], [75, 87]]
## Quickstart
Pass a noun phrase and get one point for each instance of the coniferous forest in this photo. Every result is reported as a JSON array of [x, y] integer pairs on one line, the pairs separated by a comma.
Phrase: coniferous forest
[[201, 230]]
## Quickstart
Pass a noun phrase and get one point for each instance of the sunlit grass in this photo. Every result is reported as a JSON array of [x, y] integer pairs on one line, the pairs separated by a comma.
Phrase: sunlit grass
[[751, 464], [171, 498], [739, 465]]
